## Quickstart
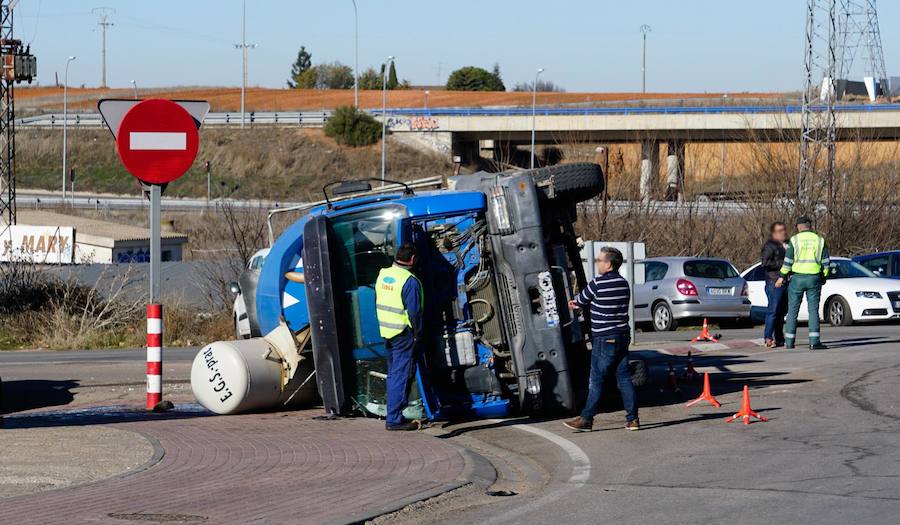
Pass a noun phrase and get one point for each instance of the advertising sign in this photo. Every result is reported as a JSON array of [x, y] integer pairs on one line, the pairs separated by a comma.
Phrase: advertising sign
[[38, 244]]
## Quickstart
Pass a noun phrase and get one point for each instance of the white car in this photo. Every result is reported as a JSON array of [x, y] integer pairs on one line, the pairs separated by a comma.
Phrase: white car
[[244, 290], [851, 294]]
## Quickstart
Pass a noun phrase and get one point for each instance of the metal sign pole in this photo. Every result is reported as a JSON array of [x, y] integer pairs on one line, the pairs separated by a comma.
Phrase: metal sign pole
[[629, 256], [155, 264]]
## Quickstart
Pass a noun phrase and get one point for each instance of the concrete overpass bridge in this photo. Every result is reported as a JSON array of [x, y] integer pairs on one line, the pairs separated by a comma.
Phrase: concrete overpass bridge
[[496, 132]]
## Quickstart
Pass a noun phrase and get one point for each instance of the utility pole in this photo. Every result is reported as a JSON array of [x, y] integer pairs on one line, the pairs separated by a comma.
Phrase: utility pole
[[24, 68], [244, 46], [644, 30], [534, 113], [859, 33], [104, 23]]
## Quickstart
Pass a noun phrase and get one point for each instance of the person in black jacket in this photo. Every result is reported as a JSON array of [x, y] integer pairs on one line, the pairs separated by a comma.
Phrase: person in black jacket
[[771, 258]]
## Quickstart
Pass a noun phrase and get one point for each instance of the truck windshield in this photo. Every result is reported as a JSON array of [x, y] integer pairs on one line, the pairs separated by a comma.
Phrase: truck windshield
[[364, 243]]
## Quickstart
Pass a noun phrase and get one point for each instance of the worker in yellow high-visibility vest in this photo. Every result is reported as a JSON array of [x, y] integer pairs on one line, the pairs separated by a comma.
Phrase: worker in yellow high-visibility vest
[[806, 266], [398, 304]]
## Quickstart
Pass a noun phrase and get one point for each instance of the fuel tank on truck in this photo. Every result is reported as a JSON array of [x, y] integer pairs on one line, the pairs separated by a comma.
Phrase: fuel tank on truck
[[228, 377]]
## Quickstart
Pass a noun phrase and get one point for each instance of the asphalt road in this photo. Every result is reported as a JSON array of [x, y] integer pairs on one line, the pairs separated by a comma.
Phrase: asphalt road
[[827, 454]]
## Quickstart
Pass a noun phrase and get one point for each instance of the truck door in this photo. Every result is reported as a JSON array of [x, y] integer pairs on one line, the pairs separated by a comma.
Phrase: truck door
[[342, 258]]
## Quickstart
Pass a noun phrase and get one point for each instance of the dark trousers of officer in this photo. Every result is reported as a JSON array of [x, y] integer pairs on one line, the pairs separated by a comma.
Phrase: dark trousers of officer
[[401, 365]]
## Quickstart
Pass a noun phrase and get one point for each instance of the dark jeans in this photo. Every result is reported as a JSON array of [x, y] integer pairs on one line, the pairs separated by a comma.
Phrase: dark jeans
[[775, 312], [610, 353], [401, 365]]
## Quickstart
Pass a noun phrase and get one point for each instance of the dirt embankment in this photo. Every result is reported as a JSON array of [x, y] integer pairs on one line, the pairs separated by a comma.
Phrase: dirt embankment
[[268, 163]]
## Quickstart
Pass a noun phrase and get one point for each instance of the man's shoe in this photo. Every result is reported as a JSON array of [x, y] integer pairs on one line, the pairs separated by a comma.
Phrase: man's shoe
[[788, 346], [633, 425], [405, 426], [770, 343], [579, 424], [818, 346]]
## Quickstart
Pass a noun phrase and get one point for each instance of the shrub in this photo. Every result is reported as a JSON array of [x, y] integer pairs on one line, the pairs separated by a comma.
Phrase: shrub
[[471, 78], [351, 127]]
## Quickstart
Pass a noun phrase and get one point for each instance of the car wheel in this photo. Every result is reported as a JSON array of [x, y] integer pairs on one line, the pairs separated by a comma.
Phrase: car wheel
[[663, 321], [838, 312]]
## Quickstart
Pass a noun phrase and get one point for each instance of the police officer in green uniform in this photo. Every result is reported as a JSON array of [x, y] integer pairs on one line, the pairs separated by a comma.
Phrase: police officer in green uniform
[[805, 267], [398, 304]]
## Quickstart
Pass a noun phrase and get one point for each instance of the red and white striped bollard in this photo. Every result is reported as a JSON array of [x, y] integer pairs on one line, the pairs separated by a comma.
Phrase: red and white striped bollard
[[154, 355]]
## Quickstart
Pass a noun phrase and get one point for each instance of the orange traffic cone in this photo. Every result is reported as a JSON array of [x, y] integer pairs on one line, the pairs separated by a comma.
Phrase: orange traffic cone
[[690, 374], [706, 395], [746, 412], [705, 335]]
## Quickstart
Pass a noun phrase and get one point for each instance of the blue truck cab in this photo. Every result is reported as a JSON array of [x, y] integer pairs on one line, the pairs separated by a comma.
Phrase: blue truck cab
[[498, 259]]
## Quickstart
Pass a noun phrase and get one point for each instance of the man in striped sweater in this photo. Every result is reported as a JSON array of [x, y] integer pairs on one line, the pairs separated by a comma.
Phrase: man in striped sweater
[[607, 296]]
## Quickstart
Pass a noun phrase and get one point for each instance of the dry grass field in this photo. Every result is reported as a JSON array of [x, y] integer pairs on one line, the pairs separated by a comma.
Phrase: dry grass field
[[264, 99]]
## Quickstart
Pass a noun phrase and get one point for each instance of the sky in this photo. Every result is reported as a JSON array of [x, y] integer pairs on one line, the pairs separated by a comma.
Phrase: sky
[[583, 45]]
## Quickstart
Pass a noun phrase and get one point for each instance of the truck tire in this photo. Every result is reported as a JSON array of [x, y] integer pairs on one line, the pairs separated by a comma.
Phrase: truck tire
[[639, 373], [575, 182]]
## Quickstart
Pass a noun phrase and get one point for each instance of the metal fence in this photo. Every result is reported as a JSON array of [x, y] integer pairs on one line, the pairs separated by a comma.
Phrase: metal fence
[[303, 119]]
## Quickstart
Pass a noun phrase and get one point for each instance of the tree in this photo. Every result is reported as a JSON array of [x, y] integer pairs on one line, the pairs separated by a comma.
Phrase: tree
[[542, 85], [352, 127], [392, 82], [370, 79], [496, 74], [300, 66], [471, 78], [334, 76]]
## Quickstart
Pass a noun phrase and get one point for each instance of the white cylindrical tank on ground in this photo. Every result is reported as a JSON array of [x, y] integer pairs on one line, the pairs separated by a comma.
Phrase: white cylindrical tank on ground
[[228, 377]]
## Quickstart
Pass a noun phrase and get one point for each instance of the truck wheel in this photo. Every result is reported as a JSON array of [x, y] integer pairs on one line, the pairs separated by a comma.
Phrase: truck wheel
[[576, 182], [639, 373], [663, 320]]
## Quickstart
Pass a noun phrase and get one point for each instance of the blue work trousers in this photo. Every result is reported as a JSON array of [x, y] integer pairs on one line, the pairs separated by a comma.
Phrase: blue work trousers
[[610, 353], [401, 365]]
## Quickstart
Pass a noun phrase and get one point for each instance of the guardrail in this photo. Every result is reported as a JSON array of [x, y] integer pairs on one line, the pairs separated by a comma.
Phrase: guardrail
[[317, 119], [303, 119]]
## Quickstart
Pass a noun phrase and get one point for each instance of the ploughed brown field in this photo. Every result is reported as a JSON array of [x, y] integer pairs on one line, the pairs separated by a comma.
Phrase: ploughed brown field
[[265, 99]]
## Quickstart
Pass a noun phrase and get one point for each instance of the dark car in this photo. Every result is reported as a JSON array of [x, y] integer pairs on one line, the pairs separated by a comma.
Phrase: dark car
[[883, 264]]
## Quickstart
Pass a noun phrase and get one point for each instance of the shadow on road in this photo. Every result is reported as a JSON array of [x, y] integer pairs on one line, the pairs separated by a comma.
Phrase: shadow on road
[[103, 415], [30, 394]]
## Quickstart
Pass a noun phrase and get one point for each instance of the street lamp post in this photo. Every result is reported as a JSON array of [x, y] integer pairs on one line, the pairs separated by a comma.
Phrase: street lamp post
[[644, 30], [387, 65], [426, 98], [65, 126], [534, 111], [134, 88], [355, 56]]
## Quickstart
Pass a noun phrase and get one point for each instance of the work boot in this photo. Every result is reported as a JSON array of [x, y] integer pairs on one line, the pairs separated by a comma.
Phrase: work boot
[[633, 425], [817, 346], [405, 426], [579, 424], [788, 346]]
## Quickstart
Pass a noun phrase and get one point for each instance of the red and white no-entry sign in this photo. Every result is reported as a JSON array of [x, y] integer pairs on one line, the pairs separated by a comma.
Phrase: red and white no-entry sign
[[157, 141]]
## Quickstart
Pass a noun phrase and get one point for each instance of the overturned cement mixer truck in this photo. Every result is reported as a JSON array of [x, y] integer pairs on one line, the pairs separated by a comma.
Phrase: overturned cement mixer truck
[[498, 259]]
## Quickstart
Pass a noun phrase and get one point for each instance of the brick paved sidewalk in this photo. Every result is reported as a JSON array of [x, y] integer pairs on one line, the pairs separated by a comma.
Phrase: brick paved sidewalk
[[255, 468]]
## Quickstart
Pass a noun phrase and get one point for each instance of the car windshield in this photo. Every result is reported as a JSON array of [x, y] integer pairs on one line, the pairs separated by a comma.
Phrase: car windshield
[[709, 269], [844, 269]]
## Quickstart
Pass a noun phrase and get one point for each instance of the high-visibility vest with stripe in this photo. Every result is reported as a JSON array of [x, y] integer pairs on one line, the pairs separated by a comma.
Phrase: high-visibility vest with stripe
[[807, 247], [392, 315]]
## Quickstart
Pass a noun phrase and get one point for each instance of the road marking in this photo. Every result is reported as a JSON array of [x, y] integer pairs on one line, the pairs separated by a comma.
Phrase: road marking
[[581, 470], [157, 140]]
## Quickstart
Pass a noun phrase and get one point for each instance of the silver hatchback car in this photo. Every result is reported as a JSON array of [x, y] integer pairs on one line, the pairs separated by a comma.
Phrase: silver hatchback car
[[678, 288]]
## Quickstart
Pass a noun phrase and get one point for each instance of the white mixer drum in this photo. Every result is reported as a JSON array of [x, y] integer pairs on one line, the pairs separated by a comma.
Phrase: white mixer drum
[[228, 377]]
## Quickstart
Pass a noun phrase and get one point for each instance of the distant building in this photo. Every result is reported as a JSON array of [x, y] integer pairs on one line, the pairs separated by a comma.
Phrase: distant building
[[50, 237]]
